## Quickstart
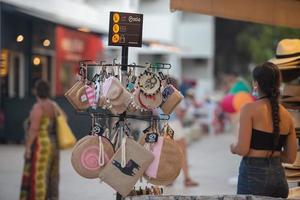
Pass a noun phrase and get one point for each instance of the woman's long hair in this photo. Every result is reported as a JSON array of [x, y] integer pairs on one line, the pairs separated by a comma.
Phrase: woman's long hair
[[268, 78]]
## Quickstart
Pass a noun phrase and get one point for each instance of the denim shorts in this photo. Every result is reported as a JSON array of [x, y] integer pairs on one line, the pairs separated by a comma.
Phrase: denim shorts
[[263, 177]]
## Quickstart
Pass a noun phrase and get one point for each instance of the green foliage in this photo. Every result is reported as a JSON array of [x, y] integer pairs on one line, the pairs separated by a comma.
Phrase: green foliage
[[258, 42]]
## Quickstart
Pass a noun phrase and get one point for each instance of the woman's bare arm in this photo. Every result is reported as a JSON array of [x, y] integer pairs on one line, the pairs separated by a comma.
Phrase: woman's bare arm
[[35, 118], [242, 146], [290, 149]]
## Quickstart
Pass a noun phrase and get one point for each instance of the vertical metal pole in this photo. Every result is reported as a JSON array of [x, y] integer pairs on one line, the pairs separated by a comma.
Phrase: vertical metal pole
[[124, 57], [124, 63]]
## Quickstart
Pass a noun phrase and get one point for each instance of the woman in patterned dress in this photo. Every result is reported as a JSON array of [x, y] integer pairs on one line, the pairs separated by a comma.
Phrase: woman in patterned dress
[[41, 170]]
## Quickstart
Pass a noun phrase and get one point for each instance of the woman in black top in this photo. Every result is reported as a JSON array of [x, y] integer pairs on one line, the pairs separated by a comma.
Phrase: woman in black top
[[266, 138]]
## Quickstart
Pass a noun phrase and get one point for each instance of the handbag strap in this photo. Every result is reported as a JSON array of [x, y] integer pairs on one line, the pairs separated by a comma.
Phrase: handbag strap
[[115, 139], [123, 150], [56, 109], [101, 159]]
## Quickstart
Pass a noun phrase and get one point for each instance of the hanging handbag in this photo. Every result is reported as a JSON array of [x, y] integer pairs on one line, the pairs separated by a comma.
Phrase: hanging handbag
[[126, 167], [72, 92], [90, 154], [168, 158], [65, 136], [171, 97]]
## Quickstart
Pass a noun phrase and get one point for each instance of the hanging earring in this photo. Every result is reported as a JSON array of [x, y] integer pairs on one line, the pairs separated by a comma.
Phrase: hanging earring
[[254, 92]]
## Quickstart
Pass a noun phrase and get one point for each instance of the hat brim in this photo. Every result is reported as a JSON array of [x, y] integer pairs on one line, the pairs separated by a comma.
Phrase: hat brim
[[292, 173], [294, 193], [279, 61], [294, 99], [291, 166], [288, 67]]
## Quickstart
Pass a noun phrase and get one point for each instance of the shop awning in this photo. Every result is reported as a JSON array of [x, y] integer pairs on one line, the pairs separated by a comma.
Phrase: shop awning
[[70, 13], [273, 12]]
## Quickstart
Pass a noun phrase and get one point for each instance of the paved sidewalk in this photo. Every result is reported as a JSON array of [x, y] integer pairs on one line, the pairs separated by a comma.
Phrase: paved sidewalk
[[210, 163]]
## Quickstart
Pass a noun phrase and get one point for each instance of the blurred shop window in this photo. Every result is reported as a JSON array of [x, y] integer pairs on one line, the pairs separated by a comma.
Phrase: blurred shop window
[[16, 75], [66, 80], [40, 68]]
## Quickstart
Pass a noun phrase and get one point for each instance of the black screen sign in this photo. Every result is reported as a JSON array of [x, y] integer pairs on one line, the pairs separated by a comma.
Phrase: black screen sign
[[125, 29]]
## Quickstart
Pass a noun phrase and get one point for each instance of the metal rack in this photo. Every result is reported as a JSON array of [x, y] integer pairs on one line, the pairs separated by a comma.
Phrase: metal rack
[[104, 114]]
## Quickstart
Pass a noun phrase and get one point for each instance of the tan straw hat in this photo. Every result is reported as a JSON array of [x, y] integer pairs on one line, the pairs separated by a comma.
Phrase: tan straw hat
[[288, 50], [292, 173], [291, 93], [294, 193], [295, 165]]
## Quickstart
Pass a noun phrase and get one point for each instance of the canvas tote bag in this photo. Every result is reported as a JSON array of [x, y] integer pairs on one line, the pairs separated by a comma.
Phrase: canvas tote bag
[[126, 167]]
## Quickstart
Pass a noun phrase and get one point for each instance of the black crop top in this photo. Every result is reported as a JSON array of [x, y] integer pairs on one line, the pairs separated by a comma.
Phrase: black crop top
[[261, 140]]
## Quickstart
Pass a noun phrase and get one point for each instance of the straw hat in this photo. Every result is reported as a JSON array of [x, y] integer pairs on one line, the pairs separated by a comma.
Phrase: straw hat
[[295, 117], [291, 93], [295, 165], [288, 50], [292, 173], [85, 156], [294, 193]]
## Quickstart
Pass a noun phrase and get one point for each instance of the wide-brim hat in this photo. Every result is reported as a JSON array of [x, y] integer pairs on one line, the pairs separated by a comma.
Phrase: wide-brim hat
[[85, 156], [291, 93], [292, 173], [288, 50], [294, 193], [295, 117], [295, 165], [290, 74], [112, 88]]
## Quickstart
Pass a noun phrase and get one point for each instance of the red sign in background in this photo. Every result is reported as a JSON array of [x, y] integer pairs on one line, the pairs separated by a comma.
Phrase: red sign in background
[[71, 47]]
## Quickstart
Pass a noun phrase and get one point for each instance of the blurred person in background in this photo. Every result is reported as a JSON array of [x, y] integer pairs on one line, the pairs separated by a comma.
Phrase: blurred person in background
[[266, 138], [176, 123], [41, 170]]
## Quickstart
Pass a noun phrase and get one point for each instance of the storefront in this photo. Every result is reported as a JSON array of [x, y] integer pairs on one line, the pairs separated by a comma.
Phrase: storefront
[[32, 49]]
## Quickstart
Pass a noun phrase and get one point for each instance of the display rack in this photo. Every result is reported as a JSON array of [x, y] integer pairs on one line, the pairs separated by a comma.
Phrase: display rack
[[104, 114]]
